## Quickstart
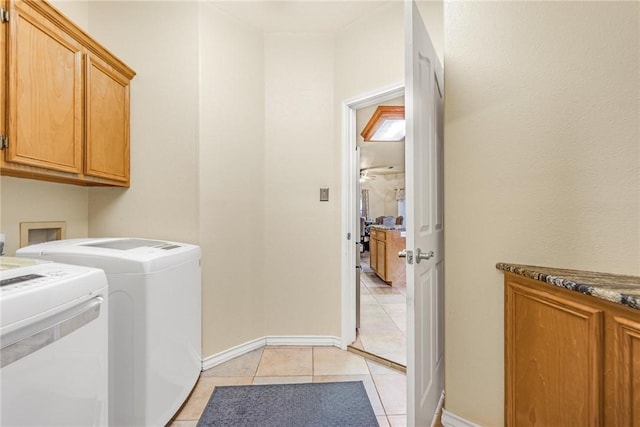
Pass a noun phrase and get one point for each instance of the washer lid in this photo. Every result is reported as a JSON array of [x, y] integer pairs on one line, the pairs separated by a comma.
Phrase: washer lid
[[30, 290], [115, 255], [126, 244]]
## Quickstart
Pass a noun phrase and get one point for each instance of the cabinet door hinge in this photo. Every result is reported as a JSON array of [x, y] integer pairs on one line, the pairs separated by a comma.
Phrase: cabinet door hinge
[[4, 142], [4, 15]]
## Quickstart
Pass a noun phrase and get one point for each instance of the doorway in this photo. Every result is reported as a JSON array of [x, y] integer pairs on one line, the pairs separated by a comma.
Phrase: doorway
[[379, 168], [381, 307]]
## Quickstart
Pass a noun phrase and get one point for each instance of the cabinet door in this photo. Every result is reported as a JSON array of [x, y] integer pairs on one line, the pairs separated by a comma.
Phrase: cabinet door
[[382, 259], [107, 148], [373, 252], [554, 362], [44, 93], [3, 78], [624, 367]]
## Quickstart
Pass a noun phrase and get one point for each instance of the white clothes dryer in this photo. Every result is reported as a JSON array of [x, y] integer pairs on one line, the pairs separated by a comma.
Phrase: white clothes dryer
[[154, 321]]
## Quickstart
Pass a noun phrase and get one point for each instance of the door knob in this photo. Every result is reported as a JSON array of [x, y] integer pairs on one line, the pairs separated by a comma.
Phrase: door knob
[[423, 255], [406, 254]]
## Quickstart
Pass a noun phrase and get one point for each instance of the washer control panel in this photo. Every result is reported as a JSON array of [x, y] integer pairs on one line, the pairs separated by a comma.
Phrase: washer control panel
[[30, 280]]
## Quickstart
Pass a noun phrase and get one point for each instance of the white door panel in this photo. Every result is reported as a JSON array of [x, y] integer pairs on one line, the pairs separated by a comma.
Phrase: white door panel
[[425, 225]]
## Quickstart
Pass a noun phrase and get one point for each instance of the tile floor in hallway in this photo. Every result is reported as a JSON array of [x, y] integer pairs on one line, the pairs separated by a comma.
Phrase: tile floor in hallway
[[383, 316], [385, 387]]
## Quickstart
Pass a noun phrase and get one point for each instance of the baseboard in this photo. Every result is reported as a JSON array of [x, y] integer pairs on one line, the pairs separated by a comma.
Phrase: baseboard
[[452, 420], [304, 340], [291, 340], [239, 350]]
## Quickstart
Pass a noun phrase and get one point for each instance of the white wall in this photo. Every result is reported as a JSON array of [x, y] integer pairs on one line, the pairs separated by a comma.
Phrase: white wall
[[382, 194], [302, 263], [542, 165], [159, 40], [232, 152], [23, 199]]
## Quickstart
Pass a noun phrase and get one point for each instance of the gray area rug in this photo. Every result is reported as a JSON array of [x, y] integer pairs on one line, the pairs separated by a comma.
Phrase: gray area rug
[[337, 404]]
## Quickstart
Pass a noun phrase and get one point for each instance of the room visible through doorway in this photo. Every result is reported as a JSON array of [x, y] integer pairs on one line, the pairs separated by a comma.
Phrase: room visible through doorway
[[381, 283]]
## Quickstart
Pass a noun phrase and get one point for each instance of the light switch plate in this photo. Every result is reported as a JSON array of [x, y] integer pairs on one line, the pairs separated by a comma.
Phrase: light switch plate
[[324, 194]]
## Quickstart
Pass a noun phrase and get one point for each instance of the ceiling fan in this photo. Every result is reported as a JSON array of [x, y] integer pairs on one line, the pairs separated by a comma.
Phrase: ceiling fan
[[370, 173], [364, 176]]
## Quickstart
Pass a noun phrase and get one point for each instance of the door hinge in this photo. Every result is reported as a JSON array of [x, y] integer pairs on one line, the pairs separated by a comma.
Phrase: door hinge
[[4, 142], [4, 15]]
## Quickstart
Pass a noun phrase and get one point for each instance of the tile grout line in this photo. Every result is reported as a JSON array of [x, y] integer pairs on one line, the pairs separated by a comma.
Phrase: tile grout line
[[255, 372], [377, 392]]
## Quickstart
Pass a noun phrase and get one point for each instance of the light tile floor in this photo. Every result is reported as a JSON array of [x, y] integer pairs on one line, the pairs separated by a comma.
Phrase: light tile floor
[[383, 316], [386, 388]]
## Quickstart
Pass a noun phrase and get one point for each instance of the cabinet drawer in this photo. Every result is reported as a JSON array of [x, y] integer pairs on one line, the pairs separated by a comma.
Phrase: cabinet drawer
[[379, 234]]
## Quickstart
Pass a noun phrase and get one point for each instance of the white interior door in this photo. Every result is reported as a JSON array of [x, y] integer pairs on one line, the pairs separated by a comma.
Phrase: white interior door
[[357, 238], [425, 228]]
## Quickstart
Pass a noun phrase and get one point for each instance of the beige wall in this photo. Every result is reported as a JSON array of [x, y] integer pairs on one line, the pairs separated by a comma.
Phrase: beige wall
[[542, 165], [302, 263], [369, 55], [232, 167], [250, 197], [159, 40], [76, 10], [28, 200]]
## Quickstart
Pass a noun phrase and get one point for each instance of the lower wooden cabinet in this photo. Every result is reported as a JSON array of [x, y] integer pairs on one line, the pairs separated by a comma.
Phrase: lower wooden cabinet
[[570, 359], [622, 377], [384, 246]]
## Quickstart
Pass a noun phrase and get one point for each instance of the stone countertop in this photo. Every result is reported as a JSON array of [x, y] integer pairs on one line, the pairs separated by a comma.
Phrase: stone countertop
[[383, 227], [620, 289]]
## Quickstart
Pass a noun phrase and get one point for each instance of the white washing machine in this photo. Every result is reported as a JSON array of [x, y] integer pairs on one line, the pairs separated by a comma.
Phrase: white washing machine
[[53, 344], [154, 321]]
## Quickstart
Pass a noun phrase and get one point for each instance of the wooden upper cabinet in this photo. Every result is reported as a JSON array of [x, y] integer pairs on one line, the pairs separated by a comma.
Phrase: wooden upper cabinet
[[67, 101], [45, 94], [107, 122], [3, 77]]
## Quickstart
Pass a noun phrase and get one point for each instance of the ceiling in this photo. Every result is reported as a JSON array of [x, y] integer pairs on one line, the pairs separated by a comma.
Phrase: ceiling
[[379, 158], [299, 15]]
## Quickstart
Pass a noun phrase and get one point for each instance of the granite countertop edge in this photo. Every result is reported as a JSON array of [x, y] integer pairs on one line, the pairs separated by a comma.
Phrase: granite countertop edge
[[619, 289]]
